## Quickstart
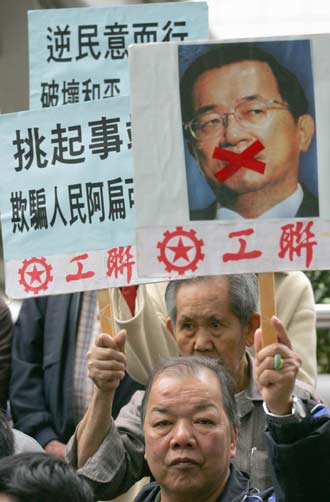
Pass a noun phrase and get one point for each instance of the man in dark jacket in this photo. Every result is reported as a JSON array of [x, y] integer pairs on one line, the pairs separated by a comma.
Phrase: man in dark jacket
[[190, 427]]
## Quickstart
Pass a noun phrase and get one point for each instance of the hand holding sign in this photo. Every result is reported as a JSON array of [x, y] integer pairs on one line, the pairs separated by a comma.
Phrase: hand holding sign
[[107, 361], [276, 368]]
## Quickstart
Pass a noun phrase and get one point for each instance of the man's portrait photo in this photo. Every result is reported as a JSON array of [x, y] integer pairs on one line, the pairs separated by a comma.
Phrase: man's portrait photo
[[249, 126]]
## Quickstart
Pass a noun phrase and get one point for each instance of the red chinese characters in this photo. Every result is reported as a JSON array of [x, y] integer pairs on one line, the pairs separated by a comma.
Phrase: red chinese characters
[[120, 262], [80, 274], [297, 238], [242, 253]]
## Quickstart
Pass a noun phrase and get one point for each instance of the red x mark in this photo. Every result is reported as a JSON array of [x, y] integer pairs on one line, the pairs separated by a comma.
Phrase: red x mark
[[238, 160]]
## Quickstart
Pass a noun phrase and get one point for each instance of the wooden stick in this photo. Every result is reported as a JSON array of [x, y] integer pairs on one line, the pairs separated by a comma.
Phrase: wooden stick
[[267, 306], [106, 312]]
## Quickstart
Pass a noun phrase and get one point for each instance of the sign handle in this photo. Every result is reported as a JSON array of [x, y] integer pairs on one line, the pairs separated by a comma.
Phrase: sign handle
[[267, 306], [106, 311]]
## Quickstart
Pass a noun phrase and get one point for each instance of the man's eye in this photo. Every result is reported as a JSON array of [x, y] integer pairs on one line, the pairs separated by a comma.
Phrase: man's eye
[[204, 421], [215, 324], [187, 326], [210, 122], [254, 111], [162, 423]]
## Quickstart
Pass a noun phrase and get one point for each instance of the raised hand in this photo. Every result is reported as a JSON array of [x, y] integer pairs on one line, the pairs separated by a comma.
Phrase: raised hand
[[276, 368], [106, 361]]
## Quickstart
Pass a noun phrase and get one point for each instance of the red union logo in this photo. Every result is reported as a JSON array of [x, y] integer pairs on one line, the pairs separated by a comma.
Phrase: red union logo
[[180, 250], [35, 275]]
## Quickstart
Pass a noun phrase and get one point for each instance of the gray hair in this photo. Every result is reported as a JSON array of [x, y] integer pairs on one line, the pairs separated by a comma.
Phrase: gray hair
[[243, 294], [191, 366]]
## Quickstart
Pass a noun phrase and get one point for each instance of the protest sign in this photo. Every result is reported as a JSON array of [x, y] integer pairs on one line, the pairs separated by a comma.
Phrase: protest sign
[[67, 199], [244, 146], [79, 55]]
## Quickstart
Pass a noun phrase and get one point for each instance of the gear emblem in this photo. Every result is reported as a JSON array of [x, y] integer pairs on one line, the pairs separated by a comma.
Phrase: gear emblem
[[35, 270], [180, 250]]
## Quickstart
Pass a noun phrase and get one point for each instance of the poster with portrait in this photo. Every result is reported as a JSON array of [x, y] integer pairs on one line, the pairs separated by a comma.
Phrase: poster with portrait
[[236, 152]]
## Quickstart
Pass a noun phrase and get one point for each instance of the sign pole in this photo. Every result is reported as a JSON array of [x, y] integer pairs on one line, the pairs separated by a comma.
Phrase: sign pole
[[106, 311], [266, 282]]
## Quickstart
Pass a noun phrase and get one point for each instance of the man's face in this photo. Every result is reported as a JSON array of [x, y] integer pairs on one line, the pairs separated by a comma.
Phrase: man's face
[[206, 325], [220, 89], [189, 441]]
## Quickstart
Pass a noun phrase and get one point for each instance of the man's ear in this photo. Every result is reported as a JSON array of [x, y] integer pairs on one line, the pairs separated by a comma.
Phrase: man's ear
[[306, 128], [233, 443], [253, 324], [169, 326]]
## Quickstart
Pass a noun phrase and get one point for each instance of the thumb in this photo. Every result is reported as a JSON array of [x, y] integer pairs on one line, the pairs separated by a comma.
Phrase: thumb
[[120, 339], [258, 340], [104, 340], [282, 335]]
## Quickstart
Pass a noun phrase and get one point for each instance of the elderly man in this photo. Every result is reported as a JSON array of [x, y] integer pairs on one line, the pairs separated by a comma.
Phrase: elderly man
[[236, 96], [211, 316], [148, 338], [190, 427]]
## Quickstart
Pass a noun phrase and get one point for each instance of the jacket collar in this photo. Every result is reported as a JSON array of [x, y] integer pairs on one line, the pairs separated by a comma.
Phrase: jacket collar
[[237, 487], [236, 490]]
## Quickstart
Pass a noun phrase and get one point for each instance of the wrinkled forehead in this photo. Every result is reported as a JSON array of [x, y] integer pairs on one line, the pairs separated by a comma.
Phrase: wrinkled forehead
[[185, 385], [231, 82], [202, 297], [212, 285]]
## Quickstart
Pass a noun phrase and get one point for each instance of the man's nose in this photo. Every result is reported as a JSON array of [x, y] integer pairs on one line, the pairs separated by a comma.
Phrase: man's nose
[[183, 435], [233, 131], [203, 341]]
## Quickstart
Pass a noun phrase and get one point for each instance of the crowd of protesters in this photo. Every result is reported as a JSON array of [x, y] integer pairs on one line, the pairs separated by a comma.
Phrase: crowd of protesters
[[60, 378]]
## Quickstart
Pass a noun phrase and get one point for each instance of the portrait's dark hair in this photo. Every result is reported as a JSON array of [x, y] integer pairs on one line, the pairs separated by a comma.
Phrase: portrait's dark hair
[[242, 294], [191, 366], [37, 477], [7, 441], [220, 55]]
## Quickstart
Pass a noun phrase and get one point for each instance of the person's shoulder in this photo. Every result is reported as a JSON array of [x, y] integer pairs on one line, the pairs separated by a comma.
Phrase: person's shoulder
[[24, 443], [137, 398], [149, 493], [156, 289], [294, 291], [291, 279]]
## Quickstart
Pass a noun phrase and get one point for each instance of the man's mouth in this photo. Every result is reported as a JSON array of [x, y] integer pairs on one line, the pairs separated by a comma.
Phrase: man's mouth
[[183, 462], [236, 161]]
